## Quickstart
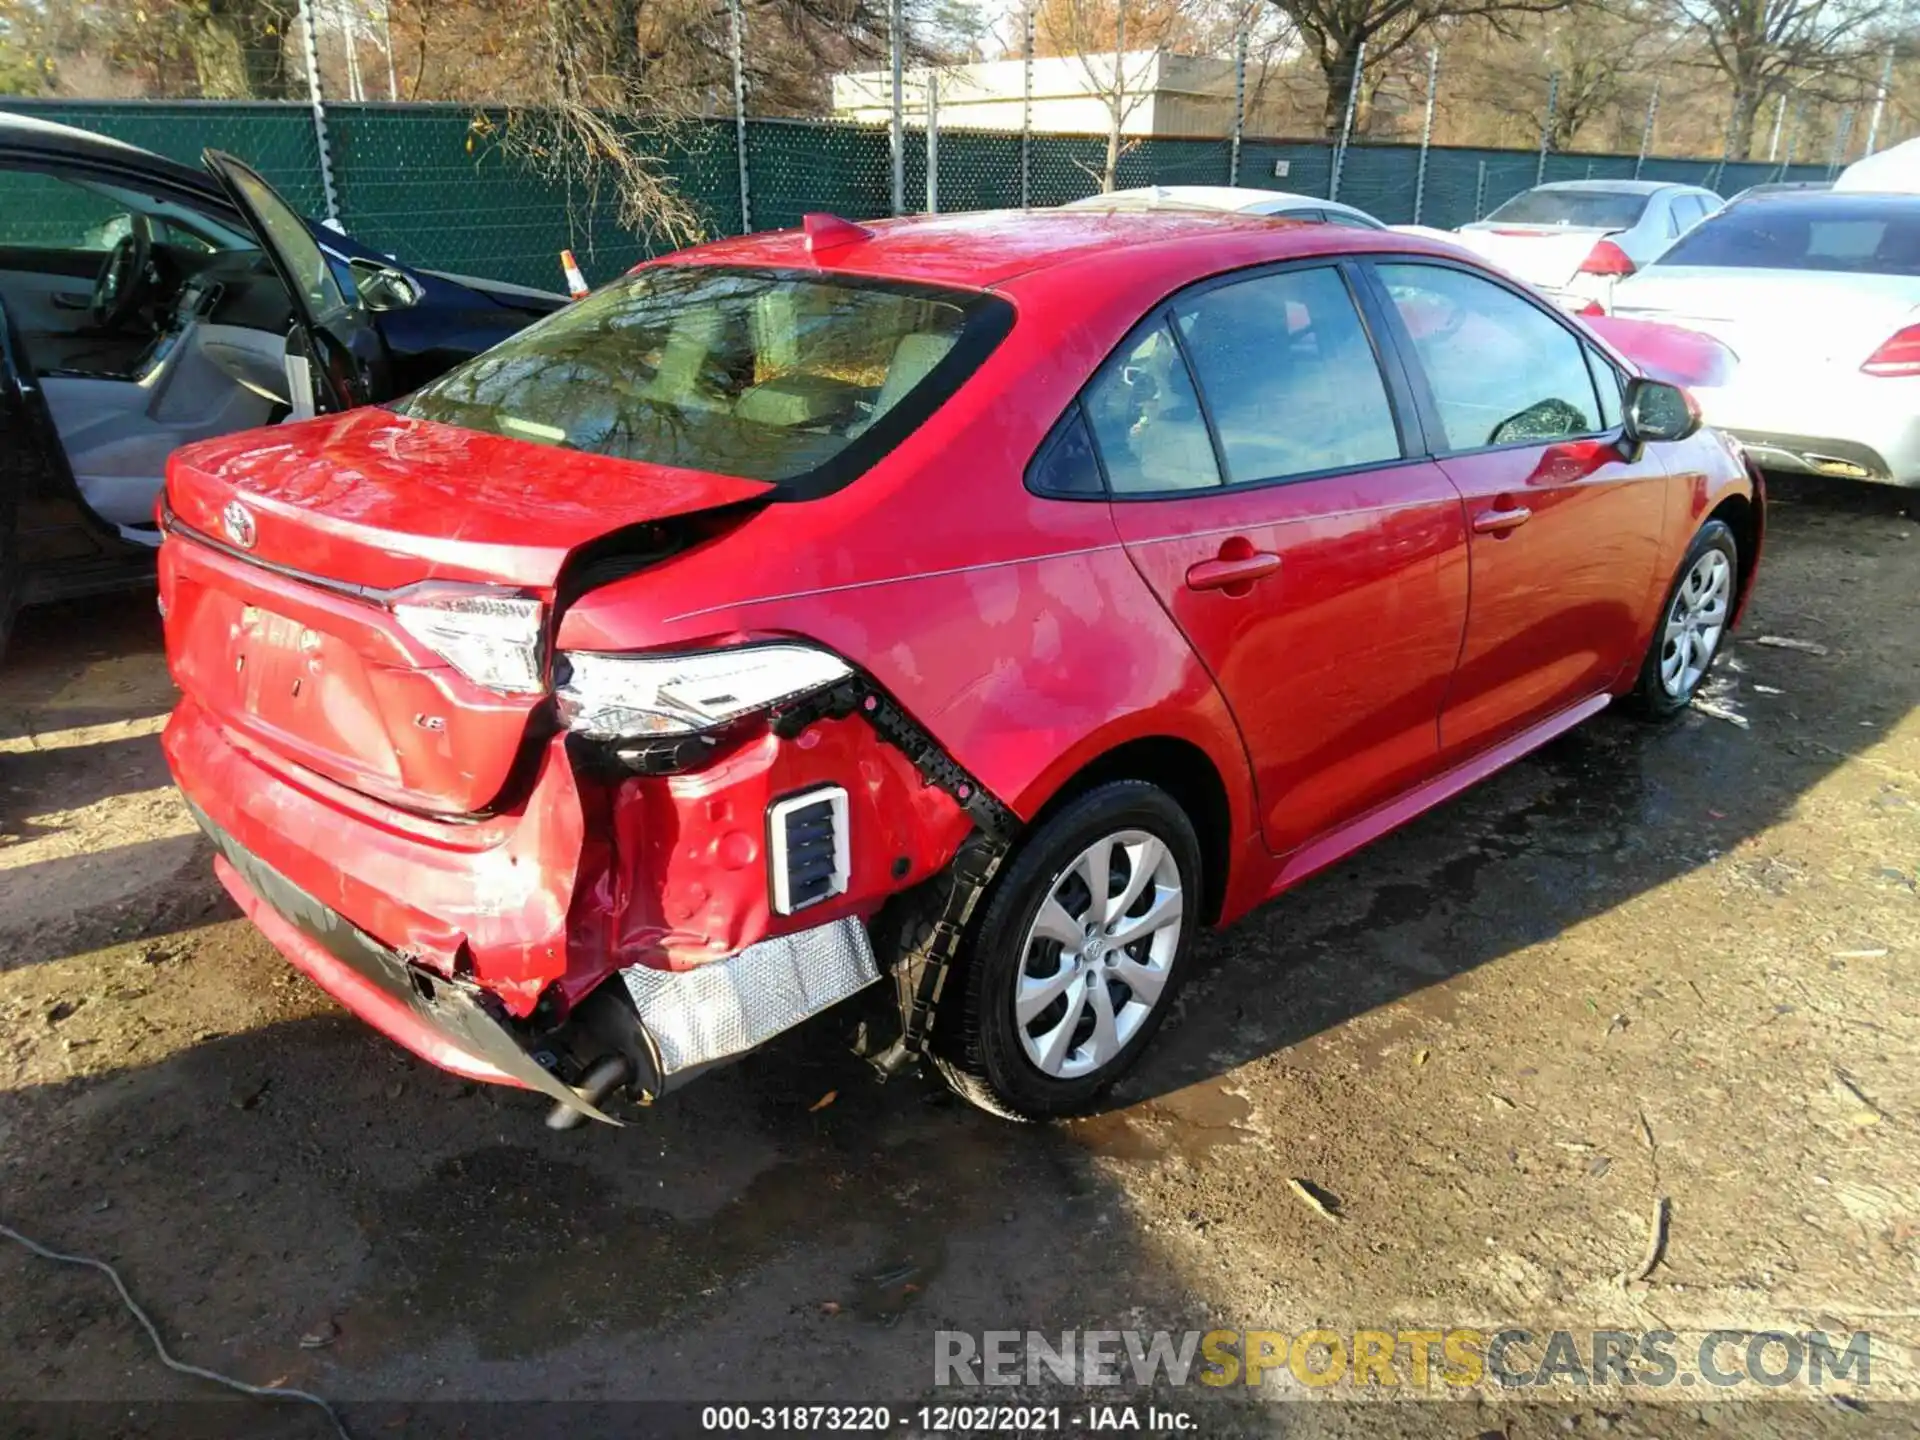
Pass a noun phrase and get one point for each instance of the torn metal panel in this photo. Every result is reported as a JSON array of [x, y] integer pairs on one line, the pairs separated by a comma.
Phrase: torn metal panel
[[694, 1017]]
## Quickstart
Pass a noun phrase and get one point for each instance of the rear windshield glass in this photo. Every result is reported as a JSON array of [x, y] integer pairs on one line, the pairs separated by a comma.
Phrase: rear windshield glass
[[795, 379], [1822, 232], [1598, 209]]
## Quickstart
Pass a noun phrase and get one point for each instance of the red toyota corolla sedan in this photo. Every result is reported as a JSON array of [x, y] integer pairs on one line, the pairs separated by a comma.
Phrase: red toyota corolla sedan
[[982, 603]]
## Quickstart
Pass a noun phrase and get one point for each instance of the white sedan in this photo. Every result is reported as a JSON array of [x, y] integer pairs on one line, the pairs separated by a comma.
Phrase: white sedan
[[1240, 199], [1818, 295], [1574, 240]]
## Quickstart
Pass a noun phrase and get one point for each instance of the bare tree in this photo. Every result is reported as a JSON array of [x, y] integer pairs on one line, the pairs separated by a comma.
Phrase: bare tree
[[1818, 48], [1336, 30], [1084, 30], [1602, 55]]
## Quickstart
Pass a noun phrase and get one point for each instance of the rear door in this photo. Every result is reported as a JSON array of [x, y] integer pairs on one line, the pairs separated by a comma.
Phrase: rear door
[[1264, 486], [341, 339], [1565, 520]]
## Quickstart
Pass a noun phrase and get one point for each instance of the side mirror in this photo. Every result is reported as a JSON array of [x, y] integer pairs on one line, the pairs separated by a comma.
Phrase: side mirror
[[1659, 411], [384, 288]]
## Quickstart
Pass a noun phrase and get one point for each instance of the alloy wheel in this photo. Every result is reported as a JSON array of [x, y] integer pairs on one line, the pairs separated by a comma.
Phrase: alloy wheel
[[1097, 956], [1695, 623]]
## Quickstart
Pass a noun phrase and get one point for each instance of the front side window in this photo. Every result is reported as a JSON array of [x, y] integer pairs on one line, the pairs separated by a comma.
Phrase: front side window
[[293, 242], [39, 211], [1500, 371], [1289, 375], [1146, 419], [1611, 389], [760, 374]]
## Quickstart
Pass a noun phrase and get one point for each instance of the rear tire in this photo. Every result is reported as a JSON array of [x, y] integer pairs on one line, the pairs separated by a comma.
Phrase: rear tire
[[1061, 991], [1692, 628]]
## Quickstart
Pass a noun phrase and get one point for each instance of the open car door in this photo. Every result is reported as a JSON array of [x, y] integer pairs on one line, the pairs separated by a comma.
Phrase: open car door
[[348, 358]]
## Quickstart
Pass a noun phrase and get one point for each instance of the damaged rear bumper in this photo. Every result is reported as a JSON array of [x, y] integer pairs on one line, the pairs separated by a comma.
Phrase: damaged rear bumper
[[683, 1022], [445, 1023], [605, 915]]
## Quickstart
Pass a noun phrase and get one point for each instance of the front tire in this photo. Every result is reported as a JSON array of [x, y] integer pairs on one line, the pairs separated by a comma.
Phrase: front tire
[[1064, 985], [1692, 626]]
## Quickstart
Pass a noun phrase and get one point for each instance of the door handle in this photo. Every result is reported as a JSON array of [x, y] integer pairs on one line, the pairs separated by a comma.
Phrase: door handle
[[1224, 573], [1498, 522], [67, 300]]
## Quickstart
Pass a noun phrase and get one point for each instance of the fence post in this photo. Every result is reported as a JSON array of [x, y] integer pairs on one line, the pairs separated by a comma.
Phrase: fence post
[[1879, 104], [1346, 123], [737, 21], [1646, 130], [1793, 133], [1546, 127], [1426, 132], [1239, 101], [312, 42], [1842, 137], [933, 141], [896, 130], [1480, 192], [1026, 115]]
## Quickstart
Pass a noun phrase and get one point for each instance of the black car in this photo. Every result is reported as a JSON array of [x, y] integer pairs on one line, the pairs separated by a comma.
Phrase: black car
[[145, 304]]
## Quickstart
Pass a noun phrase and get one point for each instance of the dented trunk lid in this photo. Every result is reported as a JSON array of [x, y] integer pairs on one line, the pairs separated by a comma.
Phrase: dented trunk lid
[[287, 548]]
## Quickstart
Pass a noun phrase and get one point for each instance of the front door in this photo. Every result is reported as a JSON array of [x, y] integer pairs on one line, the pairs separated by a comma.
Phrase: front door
[[343, 341], [1565, 519], [1261, 483]]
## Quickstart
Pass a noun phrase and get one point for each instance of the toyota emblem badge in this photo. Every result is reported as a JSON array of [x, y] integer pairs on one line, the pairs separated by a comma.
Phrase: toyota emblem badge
[[238, 523]]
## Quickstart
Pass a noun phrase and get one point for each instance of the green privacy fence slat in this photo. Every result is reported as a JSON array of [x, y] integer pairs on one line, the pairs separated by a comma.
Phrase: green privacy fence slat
[[276, 139], [432, 183]]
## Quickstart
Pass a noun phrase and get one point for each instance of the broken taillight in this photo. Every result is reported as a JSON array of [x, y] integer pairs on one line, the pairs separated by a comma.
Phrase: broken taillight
[[615, 697], [494, 640]]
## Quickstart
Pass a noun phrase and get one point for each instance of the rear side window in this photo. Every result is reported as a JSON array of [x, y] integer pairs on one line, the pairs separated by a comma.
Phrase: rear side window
[[1289, 375], [1500, 371], [1066, 464], [1599, 209], [799, 380], [1146, 419], [1871, 235]]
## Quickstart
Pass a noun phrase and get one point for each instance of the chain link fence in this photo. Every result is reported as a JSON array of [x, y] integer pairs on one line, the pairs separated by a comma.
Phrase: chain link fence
[[437, 185]]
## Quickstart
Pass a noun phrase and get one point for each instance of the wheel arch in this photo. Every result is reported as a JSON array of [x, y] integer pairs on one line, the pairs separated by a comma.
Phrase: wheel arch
[[1745, 515], [1186, 772]]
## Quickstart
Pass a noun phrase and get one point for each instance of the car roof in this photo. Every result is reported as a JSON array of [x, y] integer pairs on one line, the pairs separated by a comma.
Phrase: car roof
[[1212, 197], [982, 249], [1832, 202], [66, 142], [1618, 187]]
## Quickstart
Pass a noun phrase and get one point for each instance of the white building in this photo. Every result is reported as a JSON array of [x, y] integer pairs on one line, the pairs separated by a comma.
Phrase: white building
[[1165, 94]]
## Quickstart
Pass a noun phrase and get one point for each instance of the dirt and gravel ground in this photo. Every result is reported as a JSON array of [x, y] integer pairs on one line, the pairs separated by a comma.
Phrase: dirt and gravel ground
[[1645, 963]]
